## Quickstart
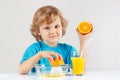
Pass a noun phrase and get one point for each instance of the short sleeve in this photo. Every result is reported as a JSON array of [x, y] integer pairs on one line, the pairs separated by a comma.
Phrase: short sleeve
[[29, 52]]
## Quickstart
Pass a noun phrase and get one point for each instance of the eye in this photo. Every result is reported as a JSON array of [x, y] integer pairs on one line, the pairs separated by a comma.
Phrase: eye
[[57, 26], [47, 28]]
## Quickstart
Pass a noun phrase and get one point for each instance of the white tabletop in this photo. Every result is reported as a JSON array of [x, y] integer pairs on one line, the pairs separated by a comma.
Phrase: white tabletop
[[102, 75]]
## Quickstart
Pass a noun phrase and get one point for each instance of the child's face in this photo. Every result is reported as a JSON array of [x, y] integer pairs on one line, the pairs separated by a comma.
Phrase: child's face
[[51, 33]]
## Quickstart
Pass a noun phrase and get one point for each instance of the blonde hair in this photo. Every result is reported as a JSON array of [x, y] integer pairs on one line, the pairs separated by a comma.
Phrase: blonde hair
[[46, 14]]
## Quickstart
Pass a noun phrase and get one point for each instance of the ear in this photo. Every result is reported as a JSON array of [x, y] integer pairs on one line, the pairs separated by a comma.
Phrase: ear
[[39, 33]]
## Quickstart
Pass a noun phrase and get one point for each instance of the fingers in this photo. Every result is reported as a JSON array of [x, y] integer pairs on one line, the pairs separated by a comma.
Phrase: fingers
[[78, 32], [56, 55], [49, 55], [82, 36], [60, 57], [50, 58]]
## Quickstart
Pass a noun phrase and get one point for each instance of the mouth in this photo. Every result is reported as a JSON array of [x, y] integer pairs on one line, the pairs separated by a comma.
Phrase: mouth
[[54, 36]]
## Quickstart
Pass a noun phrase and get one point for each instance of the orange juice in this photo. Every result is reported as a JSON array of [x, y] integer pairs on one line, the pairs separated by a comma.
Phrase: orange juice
[[84, 27], [78, 64]]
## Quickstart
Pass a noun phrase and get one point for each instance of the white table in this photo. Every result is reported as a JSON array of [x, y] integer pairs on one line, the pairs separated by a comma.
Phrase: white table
[[101, 75]]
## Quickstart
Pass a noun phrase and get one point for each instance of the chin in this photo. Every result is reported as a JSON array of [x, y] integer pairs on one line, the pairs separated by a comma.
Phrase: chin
[[54, 41]]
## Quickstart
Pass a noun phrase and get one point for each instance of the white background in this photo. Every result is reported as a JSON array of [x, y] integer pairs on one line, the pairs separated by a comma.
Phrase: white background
[[104, 50]]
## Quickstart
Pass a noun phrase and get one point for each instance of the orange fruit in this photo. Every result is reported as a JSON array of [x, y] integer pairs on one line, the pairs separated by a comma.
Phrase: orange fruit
[[57, 62], [84, 27]]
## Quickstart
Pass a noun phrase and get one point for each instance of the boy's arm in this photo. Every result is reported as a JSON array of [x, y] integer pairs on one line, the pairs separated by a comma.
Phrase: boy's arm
[[83, 42], [26, 66]]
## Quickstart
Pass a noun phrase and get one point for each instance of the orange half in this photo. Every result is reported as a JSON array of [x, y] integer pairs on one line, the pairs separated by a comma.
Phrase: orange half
[[84, 27], [57, 62]]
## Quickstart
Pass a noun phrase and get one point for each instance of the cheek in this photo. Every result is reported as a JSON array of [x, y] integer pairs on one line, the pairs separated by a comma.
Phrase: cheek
[[60, 32], [43, 33]]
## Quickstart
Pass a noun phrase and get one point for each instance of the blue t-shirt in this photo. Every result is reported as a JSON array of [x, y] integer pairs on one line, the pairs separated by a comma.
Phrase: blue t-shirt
[[62, 49]]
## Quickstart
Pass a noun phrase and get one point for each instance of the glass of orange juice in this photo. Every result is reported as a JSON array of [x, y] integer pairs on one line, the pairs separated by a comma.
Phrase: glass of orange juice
[[78, 65]]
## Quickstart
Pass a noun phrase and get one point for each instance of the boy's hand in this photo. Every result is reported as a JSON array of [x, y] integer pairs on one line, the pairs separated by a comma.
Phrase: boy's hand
[[84, 36], [49, 54]]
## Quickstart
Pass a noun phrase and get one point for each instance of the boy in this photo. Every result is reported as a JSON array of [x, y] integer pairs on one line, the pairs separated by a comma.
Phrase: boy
[[48, 27]]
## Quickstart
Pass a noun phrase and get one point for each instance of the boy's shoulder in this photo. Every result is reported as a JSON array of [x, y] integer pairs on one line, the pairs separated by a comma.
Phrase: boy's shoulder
[[67, 47], [34, 45]]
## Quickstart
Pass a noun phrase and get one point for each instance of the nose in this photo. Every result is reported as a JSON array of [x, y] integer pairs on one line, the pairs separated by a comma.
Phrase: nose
[[52, 30]]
